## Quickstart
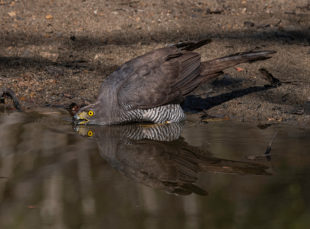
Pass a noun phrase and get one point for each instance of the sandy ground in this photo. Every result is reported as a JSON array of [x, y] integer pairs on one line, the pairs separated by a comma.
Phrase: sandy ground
[[60, 51]]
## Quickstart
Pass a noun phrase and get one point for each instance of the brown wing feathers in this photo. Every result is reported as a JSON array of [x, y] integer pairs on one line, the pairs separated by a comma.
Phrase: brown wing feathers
[[173, 72], [189, 69]]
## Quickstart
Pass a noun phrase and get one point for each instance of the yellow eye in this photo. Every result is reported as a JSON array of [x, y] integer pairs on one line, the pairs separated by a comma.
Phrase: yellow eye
[[90, 133], [90, 113]]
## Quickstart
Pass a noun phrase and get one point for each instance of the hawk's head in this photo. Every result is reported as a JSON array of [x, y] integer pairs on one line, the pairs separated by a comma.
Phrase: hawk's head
[[87, 115]]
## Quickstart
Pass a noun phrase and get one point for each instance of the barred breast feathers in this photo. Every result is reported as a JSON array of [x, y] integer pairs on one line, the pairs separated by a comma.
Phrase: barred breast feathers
[[167, 113]]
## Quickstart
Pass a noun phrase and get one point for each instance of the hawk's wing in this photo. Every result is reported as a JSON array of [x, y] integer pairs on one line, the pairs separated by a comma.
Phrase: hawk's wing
[[160, 78]]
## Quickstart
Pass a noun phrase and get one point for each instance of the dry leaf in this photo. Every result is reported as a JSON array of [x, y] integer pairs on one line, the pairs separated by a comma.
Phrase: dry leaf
[[239, 69], [226, 167], [275, 119], [32, 94], [12, 14], [49, 16]]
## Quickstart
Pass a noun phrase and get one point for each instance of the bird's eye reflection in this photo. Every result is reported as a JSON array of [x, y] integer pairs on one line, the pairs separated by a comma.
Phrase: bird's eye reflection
[[83, 131]]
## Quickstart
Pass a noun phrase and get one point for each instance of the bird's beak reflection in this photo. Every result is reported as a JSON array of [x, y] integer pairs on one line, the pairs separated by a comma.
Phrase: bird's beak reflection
[[80, 118], [84, 131]]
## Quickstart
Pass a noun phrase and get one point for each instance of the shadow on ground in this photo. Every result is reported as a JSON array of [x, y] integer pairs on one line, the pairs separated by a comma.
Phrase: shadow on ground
[[121, 38]]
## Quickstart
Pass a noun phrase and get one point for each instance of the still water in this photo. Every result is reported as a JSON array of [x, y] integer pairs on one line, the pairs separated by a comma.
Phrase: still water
[[212, 175]]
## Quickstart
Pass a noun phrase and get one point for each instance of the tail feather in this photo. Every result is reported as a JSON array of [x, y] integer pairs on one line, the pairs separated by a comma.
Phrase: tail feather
[[213, 68], [233, 167], [219, 64]]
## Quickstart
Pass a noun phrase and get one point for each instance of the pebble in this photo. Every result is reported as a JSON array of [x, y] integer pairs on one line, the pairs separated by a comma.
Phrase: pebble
[[249, 23], [12, 14], [49, 55]]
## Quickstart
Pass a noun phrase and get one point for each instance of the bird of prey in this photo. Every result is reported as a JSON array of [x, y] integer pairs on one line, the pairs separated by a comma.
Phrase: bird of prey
[[151, 87], [158, 157]]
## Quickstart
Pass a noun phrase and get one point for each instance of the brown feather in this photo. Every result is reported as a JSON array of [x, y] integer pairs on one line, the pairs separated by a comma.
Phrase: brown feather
[[166, 75]]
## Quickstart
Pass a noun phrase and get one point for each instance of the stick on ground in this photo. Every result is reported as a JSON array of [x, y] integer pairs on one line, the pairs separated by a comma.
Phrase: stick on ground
[[7, 92]]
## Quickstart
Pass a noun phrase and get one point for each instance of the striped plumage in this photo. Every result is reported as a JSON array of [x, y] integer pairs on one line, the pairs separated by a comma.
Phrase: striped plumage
[[168, 113], [165, 133], [151, 87]]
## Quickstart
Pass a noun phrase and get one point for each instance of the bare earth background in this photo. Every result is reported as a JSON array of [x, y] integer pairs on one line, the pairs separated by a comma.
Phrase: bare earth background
[[60, 51]]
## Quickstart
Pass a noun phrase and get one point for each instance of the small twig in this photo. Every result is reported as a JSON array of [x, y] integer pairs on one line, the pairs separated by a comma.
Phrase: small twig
[[270, 78], [208, 11], [267, 153], [268, 150], [7, 92]]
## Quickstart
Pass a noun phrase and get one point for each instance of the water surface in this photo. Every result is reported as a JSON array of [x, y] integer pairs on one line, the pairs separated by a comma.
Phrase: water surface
[[212, 175]]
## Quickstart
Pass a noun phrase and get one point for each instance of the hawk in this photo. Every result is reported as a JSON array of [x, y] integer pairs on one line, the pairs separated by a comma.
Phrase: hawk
[[151, 87]]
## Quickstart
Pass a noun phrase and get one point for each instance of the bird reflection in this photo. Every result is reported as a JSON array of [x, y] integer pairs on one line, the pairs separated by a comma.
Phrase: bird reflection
[[158, 157]]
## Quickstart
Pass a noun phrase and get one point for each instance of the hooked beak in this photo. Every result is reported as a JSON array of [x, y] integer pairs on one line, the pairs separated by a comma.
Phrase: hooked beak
[[80, 118]]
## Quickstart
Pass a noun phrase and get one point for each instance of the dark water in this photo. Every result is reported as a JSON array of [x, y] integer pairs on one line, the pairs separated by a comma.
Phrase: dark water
[[211, 175]]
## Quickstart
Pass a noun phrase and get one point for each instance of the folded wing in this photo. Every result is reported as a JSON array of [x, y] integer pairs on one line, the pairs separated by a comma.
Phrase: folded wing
[[160, 79]]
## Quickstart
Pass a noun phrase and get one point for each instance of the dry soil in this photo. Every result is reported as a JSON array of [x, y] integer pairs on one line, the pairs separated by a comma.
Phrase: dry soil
[[60, 51]]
